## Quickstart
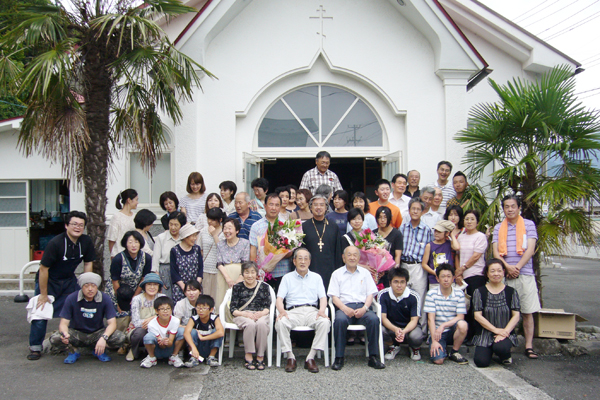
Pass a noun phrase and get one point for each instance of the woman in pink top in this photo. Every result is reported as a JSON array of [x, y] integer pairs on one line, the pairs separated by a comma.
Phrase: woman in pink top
[[471, 260]]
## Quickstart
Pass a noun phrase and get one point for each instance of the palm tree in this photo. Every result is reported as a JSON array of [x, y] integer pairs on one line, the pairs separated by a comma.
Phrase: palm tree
[[541, 143], [102, 74]]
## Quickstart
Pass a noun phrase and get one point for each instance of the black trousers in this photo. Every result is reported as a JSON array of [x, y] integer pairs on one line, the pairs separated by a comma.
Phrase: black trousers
[[483, 355]]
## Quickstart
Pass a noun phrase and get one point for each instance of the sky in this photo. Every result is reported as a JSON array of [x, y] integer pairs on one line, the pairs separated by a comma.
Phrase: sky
[[571, 26]]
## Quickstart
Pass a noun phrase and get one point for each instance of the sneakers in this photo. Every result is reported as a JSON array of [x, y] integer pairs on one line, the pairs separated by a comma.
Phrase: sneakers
[[175, 361], [211, 361], [415, 354], [392, 352], [129, 357], [148, 362], [192, 363], [458, 358]]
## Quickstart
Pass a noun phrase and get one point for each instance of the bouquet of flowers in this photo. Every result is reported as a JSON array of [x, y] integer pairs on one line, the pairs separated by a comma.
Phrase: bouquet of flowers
[[374, 253], [280, 238]]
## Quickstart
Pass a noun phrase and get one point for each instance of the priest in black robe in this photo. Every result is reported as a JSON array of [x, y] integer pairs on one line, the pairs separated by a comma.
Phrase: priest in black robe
[[322, 240]]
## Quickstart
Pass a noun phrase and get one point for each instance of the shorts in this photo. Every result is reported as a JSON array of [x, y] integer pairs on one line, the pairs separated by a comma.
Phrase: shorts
[[447, 339], [528, 293]]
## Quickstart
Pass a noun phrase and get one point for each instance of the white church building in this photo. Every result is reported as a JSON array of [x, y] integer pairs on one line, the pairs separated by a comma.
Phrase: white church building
[[382, 85]]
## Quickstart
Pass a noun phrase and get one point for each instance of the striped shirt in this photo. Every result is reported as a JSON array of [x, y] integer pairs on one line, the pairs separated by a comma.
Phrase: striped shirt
[[253, 216], [445, 308], [447, 191], [415, 240], [256, 233], [512, 257], [313, 178], [193, 207]]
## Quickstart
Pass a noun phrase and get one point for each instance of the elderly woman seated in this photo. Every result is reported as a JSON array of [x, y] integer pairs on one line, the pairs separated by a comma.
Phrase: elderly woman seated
[[250, 303]]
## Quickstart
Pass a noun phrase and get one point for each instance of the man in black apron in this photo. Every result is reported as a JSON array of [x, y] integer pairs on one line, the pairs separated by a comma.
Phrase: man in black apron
[[56, 276]]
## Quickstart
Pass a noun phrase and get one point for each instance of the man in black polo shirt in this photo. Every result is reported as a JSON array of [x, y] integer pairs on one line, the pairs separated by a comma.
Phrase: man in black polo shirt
[[56, 275], [82, 321], [400, 311]]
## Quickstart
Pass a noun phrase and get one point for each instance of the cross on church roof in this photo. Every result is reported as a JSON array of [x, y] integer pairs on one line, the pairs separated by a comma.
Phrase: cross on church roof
[[321, 17]]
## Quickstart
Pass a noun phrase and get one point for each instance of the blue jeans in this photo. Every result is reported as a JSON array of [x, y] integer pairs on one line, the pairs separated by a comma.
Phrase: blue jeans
[[446, 340], [160, 352], [204, 346]]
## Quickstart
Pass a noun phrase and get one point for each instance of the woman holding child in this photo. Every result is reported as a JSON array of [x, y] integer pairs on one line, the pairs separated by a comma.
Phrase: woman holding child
[[142, 312], [250, 304], [497, 311]]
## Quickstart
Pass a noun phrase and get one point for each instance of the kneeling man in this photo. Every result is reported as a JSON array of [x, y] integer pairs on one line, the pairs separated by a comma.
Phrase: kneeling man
[[306, 305], [352, 289], [82, 321]]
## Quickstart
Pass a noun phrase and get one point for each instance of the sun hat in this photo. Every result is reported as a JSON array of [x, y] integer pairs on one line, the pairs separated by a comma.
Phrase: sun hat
[[187, 230], [151, 278]]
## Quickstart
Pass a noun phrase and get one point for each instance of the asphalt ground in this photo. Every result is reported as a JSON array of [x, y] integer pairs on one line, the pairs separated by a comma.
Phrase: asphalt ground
[[572, 287]]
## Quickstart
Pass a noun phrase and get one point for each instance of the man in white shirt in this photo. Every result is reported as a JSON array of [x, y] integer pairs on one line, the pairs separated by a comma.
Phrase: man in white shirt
[[429, 217], [351, 290], [444, 169], [398, 198], [306, 304]]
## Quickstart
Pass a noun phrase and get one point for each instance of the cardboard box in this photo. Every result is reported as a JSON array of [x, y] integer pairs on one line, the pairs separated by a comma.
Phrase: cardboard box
[[555, 323]]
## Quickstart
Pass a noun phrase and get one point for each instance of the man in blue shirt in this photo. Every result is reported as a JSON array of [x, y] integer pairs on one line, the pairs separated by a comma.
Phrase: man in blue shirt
[[82, 321], [306, 305], [244, 214], [416, 235]]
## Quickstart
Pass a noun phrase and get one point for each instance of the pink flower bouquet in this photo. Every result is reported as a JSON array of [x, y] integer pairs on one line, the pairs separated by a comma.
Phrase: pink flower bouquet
[[374, 253]]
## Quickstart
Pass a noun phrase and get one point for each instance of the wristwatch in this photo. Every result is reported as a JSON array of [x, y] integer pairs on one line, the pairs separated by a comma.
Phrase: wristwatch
[[105, 337]]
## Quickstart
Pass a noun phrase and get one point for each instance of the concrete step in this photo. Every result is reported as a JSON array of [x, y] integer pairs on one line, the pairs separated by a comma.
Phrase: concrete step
[[11, 282]]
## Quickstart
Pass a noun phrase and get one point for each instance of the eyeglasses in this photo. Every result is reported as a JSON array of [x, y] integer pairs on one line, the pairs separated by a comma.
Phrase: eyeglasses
[[164, 309], [77, 225], [202, 308]]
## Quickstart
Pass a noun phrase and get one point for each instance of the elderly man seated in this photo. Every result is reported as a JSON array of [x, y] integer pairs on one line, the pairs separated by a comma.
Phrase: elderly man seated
[[306, 305], [82, 321], [352, 289]]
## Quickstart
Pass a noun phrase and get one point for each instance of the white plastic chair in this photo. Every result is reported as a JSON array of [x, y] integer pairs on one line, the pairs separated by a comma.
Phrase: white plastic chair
[[374, 307], [233, 328], [299, 329]]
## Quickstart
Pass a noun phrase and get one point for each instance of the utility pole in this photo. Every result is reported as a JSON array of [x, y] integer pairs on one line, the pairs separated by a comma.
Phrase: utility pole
[[355, 128]]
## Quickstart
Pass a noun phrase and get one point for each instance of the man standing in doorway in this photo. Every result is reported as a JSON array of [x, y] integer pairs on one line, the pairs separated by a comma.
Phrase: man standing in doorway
[[444, 169], [514, 243], [280, 264], [398, 198], [322, 240], [56, 276], [383, 191], [244, 214], [321, 175], [414, 178], [416, 235]]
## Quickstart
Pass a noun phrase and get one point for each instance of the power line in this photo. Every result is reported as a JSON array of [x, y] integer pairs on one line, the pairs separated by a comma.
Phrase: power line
[[591, 90], [585, 8], [548, 6], [528, 11], [574, 26], [544, 17]]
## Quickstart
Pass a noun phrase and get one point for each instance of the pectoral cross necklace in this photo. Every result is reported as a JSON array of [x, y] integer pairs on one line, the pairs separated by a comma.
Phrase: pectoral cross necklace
[[320, 243]]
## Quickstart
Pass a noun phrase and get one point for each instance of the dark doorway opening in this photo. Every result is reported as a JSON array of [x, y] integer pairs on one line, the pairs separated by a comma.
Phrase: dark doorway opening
[[356, 174]]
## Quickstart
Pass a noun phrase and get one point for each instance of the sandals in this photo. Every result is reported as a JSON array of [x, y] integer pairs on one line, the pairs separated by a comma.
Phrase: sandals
[[34, 355], [532, 355], [249, 365], [260, 365]]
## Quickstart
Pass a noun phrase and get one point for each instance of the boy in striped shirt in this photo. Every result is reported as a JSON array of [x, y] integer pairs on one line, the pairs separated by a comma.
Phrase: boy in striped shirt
[[445, 308]]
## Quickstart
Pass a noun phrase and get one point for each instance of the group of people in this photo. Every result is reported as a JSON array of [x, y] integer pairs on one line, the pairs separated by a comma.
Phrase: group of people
[[165, 293]]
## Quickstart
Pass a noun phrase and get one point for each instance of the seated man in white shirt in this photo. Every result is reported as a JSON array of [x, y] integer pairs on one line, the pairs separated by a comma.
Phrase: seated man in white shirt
[[306, 305], [352, 289]]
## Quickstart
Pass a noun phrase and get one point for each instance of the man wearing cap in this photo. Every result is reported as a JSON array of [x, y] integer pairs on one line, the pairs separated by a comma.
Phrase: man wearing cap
[[56, 276], [82, 321]]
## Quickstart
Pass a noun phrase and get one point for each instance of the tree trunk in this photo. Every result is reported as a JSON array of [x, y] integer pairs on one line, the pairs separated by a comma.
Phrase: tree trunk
[[98, 84], [531, 210]]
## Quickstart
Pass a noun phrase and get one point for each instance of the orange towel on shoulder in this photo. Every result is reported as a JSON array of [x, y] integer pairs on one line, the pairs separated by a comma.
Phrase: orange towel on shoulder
[[503, 236]]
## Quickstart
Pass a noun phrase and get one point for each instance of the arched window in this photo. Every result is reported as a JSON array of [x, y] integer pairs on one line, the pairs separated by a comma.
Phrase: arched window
[[320, 116]]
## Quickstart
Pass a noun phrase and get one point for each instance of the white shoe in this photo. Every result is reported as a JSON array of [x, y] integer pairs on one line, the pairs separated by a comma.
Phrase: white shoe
[[175, 361], [415, 354], [192, 363], [212, 362], [392, 352], [148, 362]]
